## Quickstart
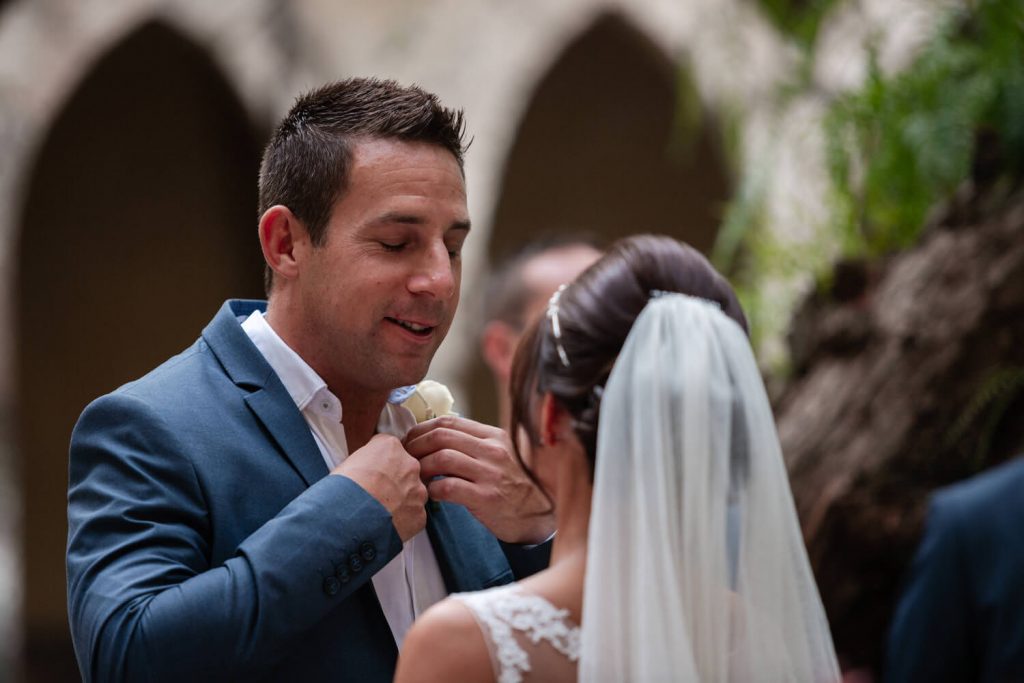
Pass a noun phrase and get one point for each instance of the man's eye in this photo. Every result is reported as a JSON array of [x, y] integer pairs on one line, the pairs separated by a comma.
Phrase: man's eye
[[393, 247], [455, 249]]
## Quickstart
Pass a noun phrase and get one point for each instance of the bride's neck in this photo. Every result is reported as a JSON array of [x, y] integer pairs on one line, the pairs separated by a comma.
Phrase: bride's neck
[[562, 582], [572, 512]]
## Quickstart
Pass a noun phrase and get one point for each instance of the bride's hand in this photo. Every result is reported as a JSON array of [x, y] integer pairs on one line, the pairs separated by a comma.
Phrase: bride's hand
[[480, 472]]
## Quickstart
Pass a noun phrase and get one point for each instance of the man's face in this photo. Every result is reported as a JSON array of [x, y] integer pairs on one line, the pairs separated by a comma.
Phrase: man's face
[[379, 294]]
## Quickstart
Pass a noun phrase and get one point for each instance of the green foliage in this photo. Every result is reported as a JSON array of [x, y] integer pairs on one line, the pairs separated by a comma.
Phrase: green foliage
[[895, 149], [743, 248], [905, 142], [798, 19], [748, 253], [977, 424]]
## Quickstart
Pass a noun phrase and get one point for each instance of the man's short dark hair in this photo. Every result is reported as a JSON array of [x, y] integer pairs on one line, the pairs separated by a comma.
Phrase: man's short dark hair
[[507, 293], [305, 164]]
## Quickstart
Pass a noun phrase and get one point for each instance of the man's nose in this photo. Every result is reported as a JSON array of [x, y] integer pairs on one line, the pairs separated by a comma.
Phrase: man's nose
[[435, 273]]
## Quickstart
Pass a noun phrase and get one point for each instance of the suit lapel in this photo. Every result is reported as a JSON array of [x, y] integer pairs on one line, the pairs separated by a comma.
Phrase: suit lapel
[[265, 394], [275, 410], [469, 557]]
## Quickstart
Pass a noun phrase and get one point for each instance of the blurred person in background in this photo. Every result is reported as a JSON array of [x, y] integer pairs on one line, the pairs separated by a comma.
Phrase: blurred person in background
[[961, 614], [254, 508], [517, 294]]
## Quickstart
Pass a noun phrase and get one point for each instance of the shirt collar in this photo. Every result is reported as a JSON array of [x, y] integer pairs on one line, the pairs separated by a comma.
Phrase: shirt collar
[[301, 382], [307, 388]]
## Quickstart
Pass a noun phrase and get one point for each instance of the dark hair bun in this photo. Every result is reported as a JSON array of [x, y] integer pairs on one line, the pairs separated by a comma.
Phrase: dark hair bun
[[596, 313]]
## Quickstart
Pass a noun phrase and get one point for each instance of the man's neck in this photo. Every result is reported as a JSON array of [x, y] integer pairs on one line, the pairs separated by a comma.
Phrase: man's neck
[[360, 413], [360, 408]]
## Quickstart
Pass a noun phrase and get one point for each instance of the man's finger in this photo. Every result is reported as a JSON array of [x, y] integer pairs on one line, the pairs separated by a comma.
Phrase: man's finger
[[446, 437], [458, 491], [451, 463], [462, 424], [439, 438]]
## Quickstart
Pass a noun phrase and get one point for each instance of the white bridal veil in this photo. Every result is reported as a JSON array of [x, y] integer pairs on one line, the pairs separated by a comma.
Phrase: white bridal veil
[[696, 568]]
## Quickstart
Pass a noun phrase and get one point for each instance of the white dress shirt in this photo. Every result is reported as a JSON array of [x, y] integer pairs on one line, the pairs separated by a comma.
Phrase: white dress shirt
[[412, 581]]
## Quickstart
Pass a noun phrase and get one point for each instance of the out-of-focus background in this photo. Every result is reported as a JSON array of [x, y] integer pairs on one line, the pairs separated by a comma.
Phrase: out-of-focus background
[[852, 165]]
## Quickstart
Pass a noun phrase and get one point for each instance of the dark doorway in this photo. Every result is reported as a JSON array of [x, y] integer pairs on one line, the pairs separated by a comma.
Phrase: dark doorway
[[139, 219]]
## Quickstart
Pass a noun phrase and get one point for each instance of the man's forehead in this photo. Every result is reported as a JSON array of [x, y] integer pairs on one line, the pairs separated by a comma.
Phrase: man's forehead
[[551, 268], [403, 178], [545, 272]]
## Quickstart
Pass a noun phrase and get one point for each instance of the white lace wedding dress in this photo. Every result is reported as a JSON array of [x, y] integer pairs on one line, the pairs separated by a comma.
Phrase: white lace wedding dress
[[528, 638]]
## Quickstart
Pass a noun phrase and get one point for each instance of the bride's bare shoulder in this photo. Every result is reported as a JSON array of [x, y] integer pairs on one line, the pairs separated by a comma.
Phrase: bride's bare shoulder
[[444, 644]]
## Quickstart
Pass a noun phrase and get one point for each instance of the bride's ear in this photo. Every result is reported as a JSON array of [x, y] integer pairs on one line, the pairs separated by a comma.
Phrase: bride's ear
[[553, 420]]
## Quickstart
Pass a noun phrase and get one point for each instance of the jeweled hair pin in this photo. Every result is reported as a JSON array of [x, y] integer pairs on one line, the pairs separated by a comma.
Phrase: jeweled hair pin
[[556, 329]]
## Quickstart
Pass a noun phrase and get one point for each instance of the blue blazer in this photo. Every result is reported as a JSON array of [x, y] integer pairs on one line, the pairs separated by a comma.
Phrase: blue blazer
[[961, 616], [206, 543]]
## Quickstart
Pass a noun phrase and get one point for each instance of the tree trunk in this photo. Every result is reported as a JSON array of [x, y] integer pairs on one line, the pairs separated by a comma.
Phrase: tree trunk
[[909, 377]]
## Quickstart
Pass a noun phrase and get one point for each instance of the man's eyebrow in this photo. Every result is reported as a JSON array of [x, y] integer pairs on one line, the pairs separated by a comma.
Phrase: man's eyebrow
[[398, 217], [413, 219]]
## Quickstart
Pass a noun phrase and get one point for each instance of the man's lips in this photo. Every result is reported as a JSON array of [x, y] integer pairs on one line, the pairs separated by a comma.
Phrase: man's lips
[[420, 329]]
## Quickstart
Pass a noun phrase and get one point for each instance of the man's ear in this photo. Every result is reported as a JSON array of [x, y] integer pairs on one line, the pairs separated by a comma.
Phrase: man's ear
[[498, 345], [282, 238]]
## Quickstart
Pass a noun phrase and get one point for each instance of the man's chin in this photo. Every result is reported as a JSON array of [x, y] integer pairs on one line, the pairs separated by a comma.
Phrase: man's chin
[[405, 377], [395, 368]]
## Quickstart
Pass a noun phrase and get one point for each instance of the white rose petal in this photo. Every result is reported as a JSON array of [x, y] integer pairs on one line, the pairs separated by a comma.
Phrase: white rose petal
[[430, 399]]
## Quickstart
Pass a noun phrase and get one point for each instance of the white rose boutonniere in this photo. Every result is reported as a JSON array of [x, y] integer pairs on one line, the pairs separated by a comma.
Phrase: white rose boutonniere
[[430, 399]]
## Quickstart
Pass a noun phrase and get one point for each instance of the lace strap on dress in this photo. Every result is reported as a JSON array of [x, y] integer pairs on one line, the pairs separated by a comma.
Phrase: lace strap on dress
[[505, 610]]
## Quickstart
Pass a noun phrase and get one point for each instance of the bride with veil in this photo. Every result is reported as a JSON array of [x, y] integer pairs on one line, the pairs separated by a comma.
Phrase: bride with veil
[[640, 411]]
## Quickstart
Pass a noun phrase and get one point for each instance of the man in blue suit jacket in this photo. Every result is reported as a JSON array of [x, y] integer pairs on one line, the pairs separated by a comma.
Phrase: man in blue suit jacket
[[961, 616], [255, 507]]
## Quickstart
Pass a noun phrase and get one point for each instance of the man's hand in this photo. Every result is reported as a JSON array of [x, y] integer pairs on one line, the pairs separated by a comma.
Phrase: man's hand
[[388, 473], [481, 473]]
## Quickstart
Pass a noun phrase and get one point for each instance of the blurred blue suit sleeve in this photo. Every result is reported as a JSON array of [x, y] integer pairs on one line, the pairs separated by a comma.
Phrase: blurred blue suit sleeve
[[146, 603], [527, 560], [930, 638]]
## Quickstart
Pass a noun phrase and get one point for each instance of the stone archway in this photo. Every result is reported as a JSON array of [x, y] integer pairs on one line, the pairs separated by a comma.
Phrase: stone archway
[[600, 150], [138, 220]]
